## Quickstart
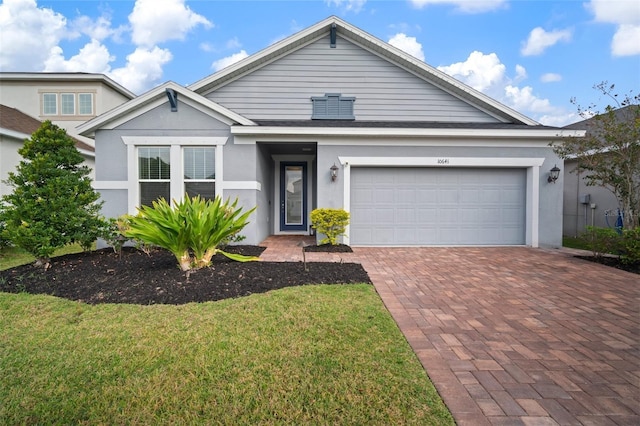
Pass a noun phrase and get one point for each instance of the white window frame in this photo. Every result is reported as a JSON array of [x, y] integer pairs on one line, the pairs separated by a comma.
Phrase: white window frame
[[185, 180], [140, 180], [90, 103], [62, 96], [175, 158], [55, 96]]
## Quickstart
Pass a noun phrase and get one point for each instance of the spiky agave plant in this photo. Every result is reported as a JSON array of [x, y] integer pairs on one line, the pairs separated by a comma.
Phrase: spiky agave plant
[[192, 230], [211, 222]]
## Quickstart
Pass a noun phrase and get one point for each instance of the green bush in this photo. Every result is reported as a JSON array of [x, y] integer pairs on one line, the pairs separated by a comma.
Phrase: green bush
[[52, 203], [630, 245], [192, 230], [601, 240], [330, 222]]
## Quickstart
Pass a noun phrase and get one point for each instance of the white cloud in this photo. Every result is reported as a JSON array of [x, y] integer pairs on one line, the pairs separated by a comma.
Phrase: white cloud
[[156, 21], [229, 60], [480, 71], [626, 41], [550, 77], [143, 69], [559, 119], [93, 57], [539, 40], [521, 73], [407, 44], [626, 15], [465, 6], [99, 28], [348, 5], [523, 99], [20, 22]]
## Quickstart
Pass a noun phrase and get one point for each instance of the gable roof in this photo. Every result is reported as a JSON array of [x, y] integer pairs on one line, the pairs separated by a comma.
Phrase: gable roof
[[154, 98], [372, 44], [16, 124], [67, 76]]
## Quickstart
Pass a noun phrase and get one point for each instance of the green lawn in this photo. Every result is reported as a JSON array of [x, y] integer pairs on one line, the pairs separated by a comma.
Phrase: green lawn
[[325, 354], [13, 256]]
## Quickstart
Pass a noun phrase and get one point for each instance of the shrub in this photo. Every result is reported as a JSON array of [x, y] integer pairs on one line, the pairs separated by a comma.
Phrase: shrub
[[601, 240], [192, 230], [630, 245], [53, 203], [330, 222]]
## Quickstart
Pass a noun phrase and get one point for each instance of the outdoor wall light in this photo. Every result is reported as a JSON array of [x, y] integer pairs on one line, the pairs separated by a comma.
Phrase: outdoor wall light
[[334, 172], [554, 173]]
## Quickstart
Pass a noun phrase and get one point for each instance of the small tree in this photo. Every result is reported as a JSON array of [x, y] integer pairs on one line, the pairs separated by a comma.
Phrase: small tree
[[52, 203], [330, 222], [610, 151]]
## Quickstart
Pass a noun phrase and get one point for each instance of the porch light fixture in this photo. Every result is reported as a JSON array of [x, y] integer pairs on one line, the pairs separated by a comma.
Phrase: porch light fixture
[[334, 172], [554, 173]]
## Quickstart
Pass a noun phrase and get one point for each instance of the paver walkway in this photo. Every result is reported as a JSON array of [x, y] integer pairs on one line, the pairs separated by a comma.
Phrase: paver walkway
[[511, 336]]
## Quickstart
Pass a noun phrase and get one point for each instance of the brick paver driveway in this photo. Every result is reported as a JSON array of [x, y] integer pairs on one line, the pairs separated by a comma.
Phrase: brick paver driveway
[[517, 335], [511, 336]]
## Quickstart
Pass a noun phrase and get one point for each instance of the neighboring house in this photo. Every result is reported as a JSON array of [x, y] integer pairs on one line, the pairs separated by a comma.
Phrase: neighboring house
[[66, 99], [421, 158], [586, 205], [15, 127]]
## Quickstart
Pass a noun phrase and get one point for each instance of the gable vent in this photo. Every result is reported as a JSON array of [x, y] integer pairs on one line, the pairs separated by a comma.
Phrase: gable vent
[[333, 106]]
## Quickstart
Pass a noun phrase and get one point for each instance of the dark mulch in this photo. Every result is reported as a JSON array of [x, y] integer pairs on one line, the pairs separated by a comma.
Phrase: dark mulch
[[134, 277], [328, 248], [614, 262]]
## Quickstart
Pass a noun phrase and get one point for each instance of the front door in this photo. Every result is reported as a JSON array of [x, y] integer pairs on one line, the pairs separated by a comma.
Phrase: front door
[[293, 196]]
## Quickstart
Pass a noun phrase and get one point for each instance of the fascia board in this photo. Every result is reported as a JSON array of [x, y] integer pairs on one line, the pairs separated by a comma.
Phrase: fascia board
[[401, 132], [13, 134], [72, 77]]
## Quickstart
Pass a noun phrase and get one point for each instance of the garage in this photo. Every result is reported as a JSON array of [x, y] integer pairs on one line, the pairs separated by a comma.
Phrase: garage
[[405, 206]]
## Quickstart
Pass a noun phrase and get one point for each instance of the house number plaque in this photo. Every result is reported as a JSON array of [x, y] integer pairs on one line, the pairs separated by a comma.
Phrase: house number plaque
[[443, 161]]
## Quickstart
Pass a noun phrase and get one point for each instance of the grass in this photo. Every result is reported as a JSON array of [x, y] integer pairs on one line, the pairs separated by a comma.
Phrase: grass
[[13, 256], [302, 355], [575, 243]]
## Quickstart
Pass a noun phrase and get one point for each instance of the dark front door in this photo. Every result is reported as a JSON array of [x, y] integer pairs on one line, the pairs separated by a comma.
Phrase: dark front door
[[293, 196]]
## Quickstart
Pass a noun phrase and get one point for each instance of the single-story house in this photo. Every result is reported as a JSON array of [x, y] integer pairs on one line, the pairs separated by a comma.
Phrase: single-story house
[[334, 117], [15, 127]]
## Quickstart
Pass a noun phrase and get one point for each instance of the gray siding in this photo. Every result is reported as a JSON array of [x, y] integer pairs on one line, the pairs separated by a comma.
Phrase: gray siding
[[283, 89]]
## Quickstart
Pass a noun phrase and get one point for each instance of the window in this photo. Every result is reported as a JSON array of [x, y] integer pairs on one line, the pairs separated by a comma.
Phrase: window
[[49, 104], [154, 166], [85, 103], [332, 106], [68, 103], [200, 172]]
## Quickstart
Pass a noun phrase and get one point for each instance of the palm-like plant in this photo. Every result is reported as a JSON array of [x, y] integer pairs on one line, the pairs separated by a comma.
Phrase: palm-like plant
[[192, 230]]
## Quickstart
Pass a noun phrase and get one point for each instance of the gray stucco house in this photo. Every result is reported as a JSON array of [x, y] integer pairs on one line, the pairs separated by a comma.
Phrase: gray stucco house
[[421, 158]]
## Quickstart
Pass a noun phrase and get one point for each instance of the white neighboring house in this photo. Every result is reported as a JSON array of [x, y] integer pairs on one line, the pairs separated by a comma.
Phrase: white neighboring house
[[15, 127], [66, 99]]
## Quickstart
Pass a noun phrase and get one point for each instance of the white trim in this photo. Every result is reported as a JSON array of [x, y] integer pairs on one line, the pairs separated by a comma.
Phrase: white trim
[[443, 161], [532, 208], [377, 132], [110, 184], [240, 184], [175, 140], [176, 143]]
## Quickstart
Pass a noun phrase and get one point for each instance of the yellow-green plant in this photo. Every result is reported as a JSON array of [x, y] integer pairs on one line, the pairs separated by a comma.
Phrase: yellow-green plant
[[192, 229], [330, 222]]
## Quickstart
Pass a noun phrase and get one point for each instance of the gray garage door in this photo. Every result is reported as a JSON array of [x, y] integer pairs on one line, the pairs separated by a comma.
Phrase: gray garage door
[[437, 206]]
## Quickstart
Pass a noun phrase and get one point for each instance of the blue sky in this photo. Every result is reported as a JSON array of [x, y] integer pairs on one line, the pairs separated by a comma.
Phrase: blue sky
[[531, 55]]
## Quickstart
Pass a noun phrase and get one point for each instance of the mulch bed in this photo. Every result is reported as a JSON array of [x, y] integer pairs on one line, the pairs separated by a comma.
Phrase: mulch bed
[[614, 262], [103, 276], [328, 248]]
